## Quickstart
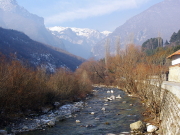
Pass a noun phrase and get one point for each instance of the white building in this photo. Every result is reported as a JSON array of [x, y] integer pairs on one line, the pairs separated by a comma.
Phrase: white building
[[174, 69]]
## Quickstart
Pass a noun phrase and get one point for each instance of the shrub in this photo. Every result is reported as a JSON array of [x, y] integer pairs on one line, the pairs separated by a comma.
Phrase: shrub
[[23, 90]]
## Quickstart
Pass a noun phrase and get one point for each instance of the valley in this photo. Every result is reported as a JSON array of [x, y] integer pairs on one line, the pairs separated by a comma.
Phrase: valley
[[59, 77]]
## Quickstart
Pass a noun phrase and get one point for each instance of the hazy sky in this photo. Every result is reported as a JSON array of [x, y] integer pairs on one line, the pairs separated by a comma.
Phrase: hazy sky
[[95, 14]]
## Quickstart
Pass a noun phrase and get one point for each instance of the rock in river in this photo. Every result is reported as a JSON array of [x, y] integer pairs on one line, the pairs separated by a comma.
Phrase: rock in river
[[151, 128], [92, 113], [51, 123], [3, 132], [25, 128], [138, 126], [78, 121]]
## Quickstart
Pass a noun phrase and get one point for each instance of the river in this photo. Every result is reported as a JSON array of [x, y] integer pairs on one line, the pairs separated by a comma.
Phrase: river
[[99, 116]]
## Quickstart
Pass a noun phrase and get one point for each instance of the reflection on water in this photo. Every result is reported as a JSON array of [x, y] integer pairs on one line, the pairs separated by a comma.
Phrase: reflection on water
[[99, 116]]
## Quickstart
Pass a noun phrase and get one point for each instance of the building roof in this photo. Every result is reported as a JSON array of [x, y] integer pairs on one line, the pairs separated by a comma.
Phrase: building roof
[[176, 53]]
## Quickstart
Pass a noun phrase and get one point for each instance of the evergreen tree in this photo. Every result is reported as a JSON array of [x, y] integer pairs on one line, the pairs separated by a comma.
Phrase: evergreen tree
[[174, 37], [176, 48], [178, 36], [150, 45], [166, 43]]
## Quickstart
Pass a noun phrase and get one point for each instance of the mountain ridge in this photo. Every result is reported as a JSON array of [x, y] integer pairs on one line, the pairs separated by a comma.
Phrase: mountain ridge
[[18, 18], [160, 19], [35, 53], [79, 41]]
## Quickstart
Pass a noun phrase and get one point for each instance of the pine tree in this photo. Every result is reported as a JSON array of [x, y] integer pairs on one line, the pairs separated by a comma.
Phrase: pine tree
[[174, 37], [166, 43], [178, 36]]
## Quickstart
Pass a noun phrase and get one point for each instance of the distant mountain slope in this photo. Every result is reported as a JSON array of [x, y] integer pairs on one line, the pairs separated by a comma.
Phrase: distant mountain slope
[[79, 41], [35, 53], [161, 19], [12, 16]]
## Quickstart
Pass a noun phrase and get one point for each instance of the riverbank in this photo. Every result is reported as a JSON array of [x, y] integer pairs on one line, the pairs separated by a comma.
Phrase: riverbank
[[100, 115], [150, 121], [48, 119], [25, 90], [109, 109]]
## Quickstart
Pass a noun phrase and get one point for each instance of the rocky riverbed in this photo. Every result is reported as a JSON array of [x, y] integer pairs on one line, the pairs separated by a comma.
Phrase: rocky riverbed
[[49, 119], [109, 111]]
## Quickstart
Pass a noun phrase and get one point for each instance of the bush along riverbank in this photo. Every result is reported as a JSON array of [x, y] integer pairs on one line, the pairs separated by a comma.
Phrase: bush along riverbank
[[25, 91]]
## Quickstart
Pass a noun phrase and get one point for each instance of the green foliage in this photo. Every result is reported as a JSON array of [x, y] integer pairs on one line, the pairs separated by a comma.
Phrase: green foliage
[[176, 48], [150, 45], [149, 52], [175, 37], [166, 43]]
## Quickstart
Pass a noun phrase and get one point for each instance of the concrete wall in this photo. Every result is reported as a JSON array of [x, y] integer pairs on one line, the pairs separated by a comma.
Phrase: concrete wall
[[174, 73], [169, 96]]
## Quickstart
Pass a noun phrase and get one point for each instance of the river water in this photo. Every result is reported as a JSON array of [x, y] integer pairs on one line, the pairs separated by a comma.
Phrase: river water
[[99, 116]]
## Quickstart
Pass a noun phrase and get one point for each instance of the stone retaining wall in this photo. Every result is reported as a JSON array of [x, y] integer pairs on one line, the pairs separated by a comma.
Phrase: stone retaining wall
[[170, 107]]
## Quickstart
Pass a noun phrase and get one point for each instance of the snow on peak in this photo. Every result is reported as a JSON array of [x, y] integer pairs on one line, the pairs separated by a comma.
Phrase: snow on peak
[[84, 32], [57, 28], [8, 5], [106, 33], [79, 41], [8, 1], [12, 6]]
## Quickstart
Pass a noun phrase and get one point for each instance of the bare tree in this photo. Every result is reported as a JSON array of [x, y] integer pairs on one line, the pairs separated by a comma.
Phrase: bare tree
[[118, 45], [160, 42], [107, 52]]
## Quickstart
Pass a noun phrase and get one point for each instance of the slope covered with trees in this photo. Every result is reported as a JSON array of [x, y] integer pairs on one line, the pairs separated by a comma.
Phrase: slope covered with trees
[[35, 53], [160, 18], [152, 45], [175, 38], [13, 16]]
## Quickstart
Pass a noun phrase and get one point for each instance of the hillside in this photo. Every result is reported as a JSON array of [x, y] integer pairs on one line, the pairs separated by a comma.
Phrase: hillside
[[161, 20], [13, 16], [35, 53]]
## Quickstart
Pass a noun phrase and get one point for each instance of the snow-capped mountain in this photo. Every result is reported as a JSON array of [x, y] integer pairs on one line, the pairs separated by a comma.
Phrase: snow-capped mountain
[[161, 19], [13, 16], [79, 41], [8, 5], [12, 6], [106, 33]]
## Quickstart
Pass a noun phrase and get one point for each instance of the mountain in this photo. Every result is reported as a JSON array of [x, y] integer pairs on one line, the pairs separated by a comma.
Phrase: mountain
[[79, 41], [106, 33], [12, 16], [161, 19], [35, 53]]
